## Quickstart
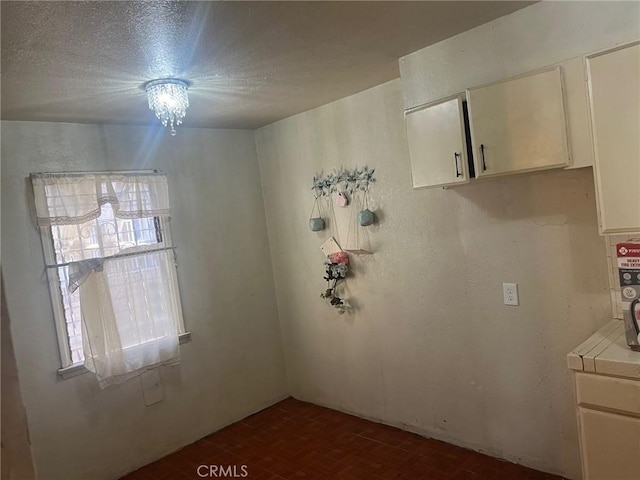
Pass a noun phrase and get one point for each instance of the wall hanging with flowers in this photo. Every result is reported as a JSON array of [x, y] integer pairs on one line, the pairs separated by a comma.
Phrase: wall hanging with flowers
[[336, 268], [346, 189]]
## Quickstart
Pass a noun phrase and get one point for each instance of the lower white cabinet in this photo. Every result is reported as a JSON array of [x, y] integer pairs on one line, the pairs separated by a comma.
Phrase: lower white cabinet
[[437, 146], [610, 445], [607, 386]]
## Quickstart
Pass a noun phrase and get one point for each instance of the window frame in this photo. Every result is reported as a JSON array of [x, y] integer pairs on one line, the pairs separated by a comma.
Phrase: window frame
[[68, 368]]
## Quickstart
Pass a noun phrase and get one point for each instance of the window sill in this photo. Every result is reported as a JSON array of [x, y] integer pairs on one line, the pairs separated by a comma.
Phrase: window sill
[[79, 368]]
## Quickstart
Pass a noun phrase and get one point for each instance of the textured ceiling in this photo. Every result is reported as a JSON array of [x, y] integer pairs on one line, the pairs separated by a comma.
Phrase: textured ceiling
[[250, 63]]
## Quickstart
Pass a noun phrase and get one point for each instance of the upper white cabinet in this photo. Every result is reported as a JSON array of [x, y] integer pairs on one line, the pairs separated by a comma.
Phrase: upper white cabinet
[[518, 125], [614, 90], [437, 146]]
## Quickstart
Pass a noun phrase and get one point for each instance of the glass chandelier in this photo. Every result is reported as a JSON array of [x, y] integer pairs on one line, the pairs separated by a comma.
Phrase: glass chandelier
[[169, 101]]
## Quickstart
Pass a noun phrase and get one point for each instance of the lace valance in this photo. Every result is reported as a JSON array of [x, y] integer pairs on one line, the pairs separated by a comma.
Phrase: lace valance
[[70, 199]]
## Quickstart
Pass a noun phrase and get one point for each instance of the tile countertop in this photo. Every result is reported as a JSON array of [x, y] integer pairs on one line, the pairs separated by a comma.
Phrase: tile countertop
[[606, 353]]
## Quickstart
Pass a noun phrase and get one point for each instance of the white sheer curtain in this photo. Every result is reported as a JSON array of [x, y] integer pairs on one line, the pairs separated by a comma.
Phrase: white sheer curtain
[[131, 313], [74, 199]]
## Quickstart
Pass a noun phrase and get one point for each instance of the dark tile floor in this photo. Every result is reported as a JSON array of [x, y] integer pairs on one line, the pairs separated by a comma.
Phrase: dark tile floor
[[297, 440]]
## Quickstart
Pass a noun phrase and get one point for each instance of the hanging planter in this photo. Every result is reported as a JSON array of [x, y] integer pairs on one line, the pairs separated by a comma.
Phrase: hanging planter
[[316, 224], [366, 217], [350, 188]]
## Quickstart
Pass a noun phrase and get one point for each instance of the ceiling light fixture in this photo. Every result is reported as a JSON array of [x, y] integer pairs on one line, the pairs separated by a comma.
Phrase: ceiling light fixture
[[168, 99]]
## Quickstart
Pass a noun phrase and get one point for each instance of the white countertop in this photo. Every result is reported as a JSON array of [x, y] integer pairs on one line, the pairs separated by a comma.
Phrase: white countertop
[[606, 352]]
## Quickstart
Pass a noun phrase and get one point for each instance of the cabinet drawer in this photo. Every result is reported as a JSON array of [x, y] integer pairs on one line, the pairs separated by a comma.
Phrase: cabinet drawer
[[609, 392]]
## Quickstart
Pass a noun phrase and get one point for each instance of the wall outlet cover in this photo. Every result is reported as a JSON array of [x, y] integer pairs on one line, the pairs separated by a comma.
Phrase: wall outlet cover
[[510, 293]]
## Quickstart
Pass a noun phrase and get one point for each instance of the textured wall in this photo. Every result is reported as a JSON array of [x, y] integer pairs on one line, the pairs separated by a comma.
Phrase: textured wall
[[542, 34], [17, 463], [233, 365], [431, 347]]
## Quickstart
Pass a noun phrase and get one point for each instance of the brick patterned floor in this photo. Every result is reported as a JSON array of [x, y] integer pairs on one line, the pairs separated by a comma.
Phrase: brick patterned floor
[[297, 440]]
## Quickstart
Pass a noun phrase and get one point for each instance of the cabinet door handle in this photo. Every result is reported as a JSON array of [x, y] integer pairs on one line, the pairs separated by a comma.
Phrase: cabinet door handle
[[484, 165], [456, 155]]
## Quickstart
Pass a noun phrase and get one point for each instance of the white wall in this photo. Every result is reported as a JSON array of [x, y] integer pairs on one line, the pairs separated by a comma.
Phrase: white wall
[[431, 347], [543, 34], [233, 365], [17, 463]]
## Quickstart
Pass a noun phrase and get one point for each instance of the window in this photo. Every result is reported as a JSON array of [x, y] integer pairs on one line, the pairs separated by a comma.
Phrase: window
[[111, 270], [101, 237]]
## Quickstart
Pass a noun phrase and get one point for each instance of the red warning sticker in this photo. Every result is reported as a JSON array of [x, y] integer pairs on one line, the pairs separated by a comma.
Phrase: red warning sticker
[[628, 254]]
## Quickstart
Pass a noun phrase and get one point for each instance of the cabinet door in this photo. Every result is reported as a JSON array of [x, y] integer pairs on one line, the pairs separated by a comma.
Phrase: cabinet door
[[614, 90], [610, 445], [437, 146], [519, 125]]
